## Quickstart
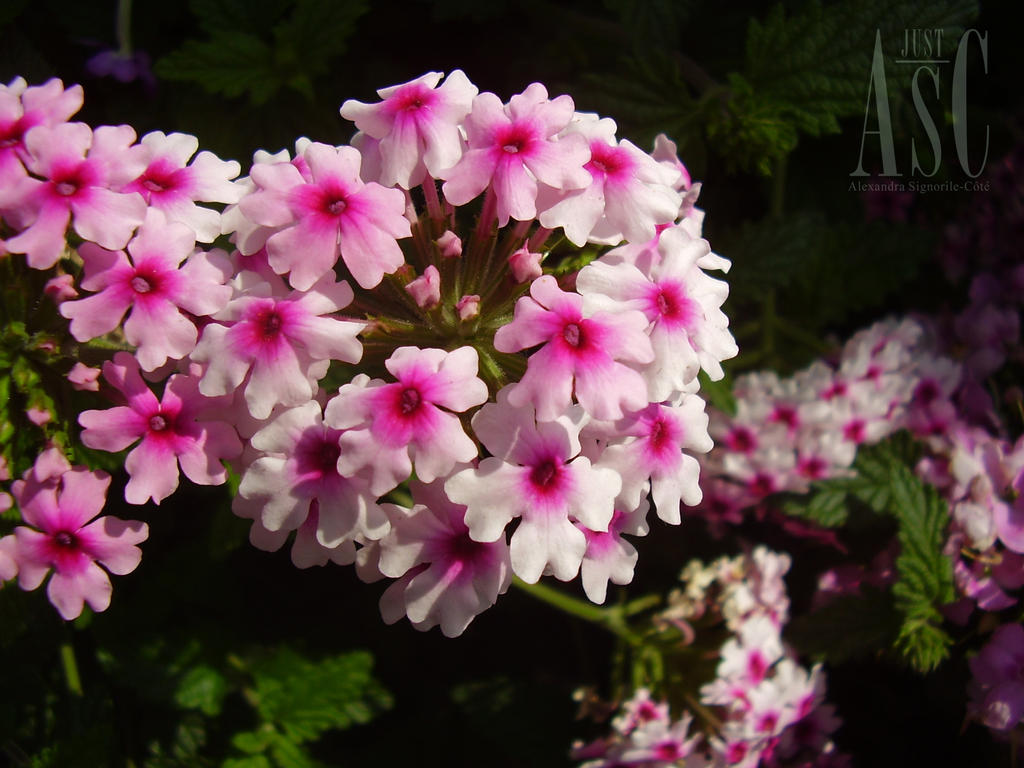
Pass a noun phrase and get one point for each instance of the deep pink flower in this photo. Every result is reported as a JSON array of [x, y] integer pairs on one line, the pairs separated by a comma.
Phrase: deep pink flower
[[173, 186], [23, 107], [629, 196], [390, 426], [513, 147], [63, 539], [80, 169], [417, 126], [335, 214], [580, 354], [445, 577], [155, 286], [535, 473], [171, 432], [273, 341], [296, 472]]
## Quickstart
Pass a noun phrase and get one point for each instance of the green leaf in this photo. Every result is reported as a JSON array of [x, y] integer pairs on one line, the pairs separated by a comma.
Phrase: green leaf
[[202, 688], [237, 59], [814, 65], [254, 761], [718, 393], [848, 627], [925, 573], [304, 698]]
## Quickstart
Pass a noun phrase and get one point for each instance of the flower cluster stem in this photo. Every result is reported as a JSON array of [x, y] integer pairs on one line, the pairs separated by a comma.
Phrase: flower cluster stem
[[71, 676], [612, 619]]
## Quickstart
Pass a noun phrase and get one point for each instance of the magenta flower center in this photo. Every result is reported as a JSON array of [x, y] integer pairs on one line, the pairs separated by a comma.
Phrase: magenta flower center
[[409, 400], [784, 414], [854, 431], [668, 751], [158, 422], [65, 540], [327, 456], [141, 284], [762, 485], [544, 474], [605, 159], [463, 549], [927, 392], [572, 334], [513, 140], [741, 440], [269, 324], [66, 188], [336, 207]]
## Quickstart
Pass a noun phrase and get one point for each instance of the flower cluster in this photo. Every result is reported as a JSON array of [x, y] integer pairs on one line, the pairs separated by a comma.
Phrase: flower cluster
[[766, 708], [404, 356]]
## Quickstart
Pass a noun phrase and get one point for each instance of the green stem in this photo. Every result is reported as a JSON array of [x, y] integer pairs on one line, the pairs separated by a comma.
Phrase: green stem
[[779, 186], [124, 27], [67, 660], [611, 619]]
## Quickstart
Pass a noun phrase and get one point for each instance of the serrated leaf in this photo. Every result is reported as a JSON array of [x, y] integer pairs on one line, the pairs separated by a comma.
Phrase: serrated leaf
[[814, 65], [925, 573], [202, 688], [848, 627], [231, 63], [254, 742], [304, 698]]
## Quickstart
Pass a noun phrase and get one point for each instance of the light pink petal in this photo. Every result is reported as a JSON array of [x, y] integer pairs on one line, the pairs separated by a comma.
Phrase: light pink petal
[[112, 541], [113, 429], [153, 468], [68, 592], [108, 218]]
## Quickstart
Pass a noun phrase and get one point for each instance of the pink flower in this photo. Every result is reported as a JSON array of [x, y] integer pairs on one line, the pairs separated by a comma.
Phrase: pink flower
[[513, 147], [155, 286], [688, 329], [296, 473], [171, 432], [391, 425], [274, 341], [417, 125], [580, 354], [525, 266], [444, 576], [333, 214], [172, 186], [629, 196], [80, 169], [535, 473], [22, 107], [63, 539], [609, 557]]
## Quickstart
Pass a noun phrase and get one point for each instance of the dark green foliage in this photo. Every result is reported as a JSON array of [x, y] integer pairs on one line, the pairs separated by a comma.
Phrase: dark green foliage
[[825, 270], [885, 484], [238, 58], [925, 573], [848, 627]]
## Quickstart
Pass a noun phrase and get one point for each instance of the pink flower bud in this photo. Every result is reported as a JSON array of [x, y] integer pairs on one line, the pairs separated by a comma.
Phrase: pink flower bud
[[525, 265], [468, 307], [426, 289], [61, 288], [450, 245], [38, 416], [84, 378]]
